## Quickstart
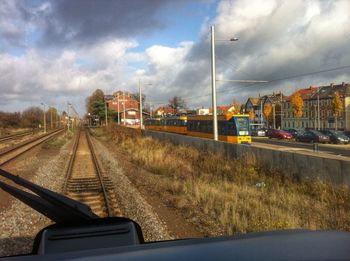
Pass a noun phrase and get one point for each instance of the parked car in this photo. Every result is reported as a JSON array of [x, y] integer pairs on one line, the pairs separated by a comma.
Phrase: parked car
[[336, 136], [312, 136], [258, 132], [279, 134], [347, 133], [293, 132]]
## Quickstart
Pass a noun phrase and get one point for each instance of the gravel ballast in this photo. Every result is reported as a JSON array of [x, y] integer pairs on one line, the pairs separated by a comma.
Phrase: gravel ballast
[[19, 223], [132, 204]]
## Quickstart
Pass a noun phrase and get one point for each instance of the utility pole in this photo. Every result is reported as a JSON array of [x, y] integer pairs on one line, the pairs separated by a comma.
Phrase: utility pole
[[118, 108], [150, 110], [274, 115], [281, 111], [44, 117], [124, 109], [140, 94], [106, 112], [318, 109], [213, 84], [51, 118], [261, 113], [68, 116]]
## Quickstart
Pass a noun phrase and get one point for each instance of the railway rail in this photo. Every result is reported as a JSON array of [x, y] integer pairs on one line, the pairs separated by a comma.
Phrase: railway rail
[[85, 181], [15, 135], [11, 153]]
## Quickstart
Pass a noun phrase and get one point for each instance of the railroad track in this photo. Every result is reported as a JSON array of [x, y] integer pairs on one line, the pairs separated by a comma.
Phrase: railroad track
[[16, 135], [9, 154], [85, 181]]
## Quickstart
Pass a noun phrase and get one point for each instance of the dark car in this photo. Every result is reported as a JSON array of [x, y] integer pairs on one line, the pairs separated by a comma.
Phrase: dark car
[[293, 132], [336, 136], [278, 134], [347, 133], [312, 136]]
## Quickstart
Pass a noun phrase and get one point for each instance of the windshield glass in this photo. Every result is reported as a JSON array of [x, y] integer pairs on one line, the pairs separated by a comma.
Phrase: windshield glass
[[144, 109], [242, 125]]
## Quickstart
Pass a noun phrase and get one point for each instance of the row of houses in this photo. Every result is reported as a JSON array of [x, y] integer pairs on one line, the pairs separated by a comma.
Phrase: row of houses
[[317, 111]]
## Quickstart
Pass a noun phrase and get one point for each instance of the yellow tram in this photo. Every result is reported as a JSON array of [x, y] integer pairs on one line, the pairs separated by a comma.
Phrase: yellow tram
[[168, 124], [233, 128]]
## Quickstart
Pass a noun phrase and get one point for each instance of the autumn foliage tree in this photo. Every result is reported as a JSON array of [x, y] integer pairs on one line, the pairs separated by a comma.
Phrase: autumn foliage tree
[[236, 105], [297, 104], [337, 107], [267, 112], [251, 115]]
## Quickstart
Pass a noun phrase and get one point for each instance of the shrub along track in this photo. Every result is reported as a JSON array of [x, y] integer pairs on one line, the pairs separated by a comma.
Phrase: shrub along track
[[85, 181], [9, 154]]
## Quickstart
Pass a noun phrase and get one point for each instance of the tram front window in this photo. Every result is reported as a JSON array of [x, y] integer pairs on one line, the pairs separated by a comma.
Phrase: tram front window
[[242, 126]]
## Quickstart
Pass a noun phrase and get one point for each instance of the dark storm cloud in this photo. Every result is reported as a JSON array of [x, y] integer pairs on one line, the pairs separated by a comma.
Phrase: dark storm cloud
[[14, 18], [85, 21]]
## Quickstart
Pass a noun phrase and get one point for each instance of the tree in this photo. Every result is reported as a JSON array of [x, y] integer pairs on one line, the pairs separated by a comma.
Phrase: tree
[[251, 115], [51, 117], [96, 98], [297, 104], [177, 103], [32, 117], [236, 106], [267, 112], [9, 119], [337, 107], [95, 104]]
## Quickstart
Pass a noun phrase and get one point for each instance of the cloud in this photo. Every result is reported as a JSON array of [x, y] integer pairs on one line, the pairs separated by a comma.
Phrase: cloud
[[55, 78], [277, 39], [82, 22], [13, 19], [92, 45]]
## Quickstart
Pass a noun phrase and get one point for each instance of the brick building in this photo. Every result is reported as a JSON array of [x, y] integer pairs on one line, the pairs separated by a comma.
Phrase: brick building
[[132, 113], [325, 96]]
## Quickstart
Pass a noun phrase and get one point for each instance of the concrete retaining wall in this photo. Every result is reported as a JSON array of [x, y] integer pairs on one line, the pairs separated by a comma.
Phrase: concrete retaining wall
[[302, 165]]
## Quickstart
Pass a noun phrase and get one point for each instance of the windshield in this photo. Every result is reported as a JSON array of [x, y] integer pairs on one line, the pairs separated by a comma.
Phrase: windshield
[[144, 109], [242, 125]]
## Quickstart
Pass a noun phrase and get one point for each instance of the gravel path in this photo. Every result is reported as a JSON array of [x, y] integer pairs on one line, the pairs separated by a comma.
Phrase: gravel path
[[19, 223], [132, 204]]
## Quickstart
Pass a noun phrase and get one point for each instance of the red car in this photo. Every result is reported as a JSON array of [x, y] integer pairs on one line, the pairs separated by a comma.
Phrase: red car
[[279, 134]]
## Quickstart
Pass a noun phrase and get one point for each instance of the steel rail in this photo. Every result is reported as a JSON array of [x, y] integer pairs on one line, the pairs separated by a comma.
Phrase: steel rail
[[21, 145], [71, 163], [15, 135], [99, 174]]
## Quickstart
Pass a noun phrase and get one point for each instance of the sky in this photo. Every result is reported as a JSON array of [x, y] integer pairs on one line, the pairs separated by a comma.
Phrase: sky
[[55, 52]]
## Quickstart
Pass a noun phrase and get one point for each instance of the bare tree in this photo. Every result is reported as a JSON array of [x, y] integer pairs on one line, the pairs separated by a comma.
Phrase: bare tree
[[177, 103], [32, 117]]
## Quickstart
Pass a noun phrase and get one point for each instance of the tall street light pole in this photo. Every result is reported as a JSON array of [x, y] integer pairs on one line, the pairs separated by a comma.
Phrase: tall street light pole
[[213, 84], [140, 102], [118, 108], [51, 122], [213, 80], [44, 117], [106, 116], [318, 109], [124, 118]]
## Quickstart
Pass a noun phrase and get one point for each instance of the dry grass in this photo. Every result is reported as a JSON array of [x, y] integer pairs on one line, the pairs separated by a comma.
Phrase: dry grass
[[234, 195]]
